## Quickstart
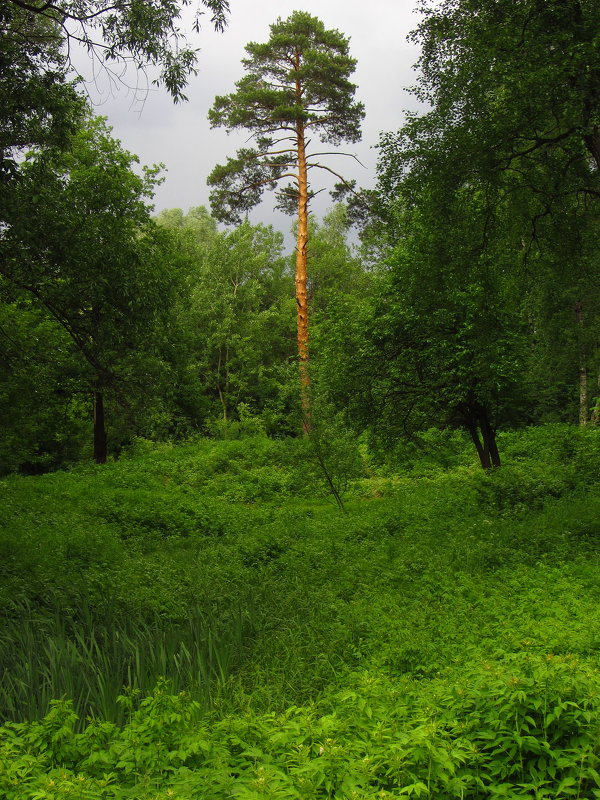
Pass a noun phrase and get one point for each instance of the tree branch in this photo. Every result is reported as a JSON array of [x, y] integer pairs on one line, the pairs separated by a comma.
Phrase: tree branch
[[538, 141], [333, 172], [336, 153], [63, 13], [256, 184]]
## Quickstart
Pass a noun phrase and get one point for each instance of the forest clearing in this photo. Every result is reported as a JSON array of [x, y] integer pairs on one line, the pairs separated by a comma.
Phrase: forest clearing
[[438, 638], [314, 520]]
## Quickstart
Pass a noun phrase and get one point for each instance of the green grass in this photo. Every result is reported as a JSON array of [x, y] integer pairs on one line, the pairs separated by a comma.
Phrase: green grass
[[90, 660], [439, 639]]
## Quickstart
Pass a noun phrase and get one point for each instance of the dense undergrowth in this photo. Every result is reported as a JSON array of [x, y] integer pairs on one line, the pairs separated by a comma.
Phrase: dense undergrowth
[[201, 622]]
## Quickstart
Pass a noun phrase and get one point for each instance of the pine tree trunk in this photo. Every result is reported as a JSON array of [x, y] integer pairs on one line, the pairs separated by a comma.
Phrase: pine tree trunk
[[301, 260], [100, 448]]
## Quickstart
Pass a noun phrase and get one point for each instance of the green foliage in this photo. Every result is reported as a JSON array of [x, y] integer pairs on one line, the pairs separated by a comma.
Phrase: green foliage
[[197, 225], [484, 191], [44, 420], [441, 341], [82, 258], [147, 34], [329, 453], [224, 630], [241, 310], [40, 108], [334, 267], [520, 488], [545, 462], [90, 658], [234, 329], [440, 640], [525, 107], [297, 82], [511, 727]]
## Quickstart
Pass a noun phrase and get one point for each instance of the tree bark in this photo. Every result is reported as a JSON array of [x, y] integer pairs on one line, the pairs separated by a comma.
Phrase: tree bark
[[301, 261], [596, 410], [100, 447], [592, 142], [583, 372], [219, 388], [489, 438], [482, 434], [583, 395], [484, 456]]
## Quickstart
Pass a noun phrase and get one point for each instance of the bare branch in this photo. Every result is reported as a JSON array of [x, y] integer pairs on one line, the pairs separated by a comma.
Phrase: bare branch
[[320, 121], [268, 153], [333, 172], [61, 11], [267, 131], [337, 153]]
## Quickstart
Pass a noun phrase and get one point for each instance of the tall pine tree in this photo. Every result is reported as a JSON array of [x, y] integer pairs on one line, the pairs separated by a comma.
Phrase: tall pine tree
[[296, 90]]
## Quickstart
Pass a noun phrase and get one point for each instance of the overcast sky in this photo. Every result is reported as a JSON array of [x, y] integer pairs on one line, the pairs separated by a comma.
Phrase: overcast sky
[[180, 137]]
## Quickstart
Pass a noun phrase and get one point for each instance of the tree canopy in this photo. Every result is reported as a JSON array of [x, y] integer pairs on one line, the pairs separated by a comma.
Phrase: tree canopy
[[38, 105], [146, 33], [472, 303], [487, 199], [297, 86], [513, 87], [80, 244]]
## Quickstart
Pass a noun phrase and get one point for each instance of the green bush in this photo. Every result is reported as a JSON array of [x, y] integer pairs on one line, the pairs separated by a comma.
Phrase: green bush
[[518, 726], [519, 488], [334, 655]]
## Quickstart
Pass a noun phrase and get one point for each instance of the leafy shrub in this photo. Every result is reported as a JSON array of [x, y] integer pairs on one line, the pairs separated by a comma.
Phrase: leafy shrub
[[157, 515], [247, 426], [412, 592], [522, 487], [518, 726], [533, 721], [263, 483], [425, 453], [548, 444]]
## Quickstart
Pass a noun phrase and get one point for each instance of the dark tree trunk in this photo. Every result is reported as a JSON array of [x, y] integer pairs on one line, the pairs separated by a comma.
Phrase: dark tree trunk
[[489, 438], [595, 418], [100, 449], [583, 371], [482, 434], [483, 454], [592, 142]]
